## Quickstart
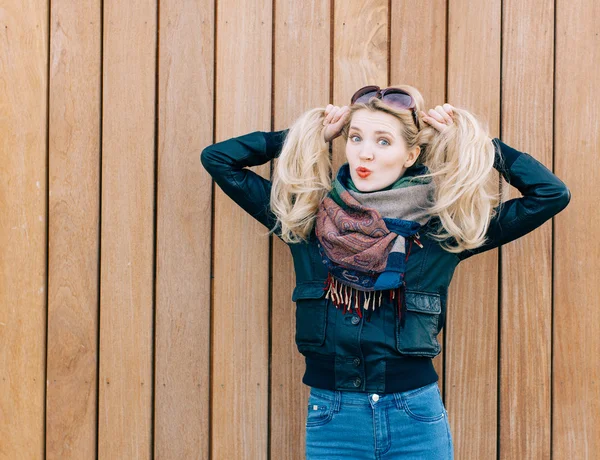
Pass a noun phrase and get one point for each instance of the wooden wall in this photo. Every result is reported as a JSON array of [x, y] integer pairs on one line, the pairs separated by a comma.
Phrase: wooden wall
[[144, 315]]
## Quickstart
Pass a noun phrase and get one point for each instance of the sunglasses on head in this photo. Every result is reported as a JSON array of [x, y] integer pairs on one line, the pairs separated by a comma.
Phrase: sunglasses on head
[[394, 97]]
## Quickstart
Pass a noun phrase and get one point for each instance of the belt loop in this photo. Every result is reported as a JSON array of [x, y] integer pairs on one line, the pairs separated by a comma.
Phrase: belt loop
[[398, 400], [337, 401]]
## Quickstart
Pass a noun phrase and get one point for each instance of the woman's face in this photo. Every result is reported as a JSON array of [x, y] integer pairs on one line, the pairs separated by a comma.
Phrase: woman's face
[[376, 151]]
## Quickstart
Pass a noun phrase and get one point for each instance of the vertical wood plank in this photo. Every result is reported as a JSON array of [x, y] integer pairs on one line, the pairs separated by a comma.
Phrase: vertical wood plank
[[526, 301], [186, 79], [127, 233], [360, 53], [23, 124], [240, 357], [472, 352], [301, 82], [74, 211], [576, 338], [421, 64], [239, 391]]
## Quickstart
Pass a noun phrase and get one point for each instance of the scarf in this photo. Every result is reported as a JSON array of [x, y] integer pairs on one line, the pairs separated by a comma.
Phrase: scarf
[[365, 238]]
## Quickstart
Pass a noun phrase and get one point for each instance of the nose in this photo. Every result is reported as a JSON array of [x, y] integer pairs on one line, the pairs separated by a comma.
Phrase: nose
[[365, 153]]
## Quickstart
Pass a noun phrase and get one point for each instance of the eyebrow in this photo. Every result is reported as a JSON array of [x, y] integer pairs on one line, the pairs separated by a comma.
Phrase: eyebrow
[[376, 132]]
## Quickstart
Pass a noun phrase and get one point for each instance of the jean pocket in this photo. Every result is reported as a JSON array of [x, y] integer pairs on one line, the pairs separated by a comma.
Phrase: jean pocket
[[319, 411], [424, 404], [311, 314], [418, 336]]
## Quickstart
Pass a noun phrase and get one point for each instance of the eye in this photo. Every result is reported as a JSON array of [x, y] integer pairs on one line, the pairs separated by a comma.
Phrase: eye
[[353, 137], [384, 140]]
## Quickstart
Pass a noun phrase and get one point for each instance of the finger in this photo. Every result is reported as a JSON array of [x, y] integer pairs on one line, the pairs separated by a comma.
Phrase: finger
[[326, 112], [328, 115], [434, 123], [332, 113], [346, 114], [336, 115], [338, 125], [448, 108], [435, 115], [341, 113], [445, 117]]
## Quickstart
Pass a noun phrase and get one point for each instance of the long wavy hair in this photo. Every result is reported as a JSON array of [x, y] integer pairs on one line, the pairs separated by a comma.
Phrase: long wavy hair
[[460, 162]]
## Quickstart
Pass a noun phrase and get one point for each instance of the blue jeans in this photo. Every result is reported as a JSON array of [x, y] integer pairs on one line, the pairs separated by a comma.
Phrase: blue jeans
[[407, 425]]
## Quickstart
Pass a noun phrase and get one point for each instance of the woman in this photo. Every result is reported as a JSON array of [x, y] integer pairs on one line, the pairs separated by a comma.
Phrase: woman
[[374, 252]]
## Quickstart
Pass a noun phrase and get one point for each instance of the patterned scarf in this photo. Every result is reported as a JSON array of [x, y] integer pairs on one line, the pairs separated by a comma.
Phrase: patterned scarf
[[365, 238]]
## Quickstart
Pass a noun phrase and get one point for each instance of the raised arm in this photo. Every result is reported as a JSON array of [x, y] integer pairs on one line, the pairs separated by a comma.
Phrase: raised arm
[[226, 162], [544, 196]]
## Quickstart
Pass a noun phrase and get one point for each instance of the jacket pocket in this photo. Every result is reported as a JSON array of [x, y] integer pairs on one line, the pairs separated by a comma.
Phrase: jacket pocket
[[311, 314], [419, 334]]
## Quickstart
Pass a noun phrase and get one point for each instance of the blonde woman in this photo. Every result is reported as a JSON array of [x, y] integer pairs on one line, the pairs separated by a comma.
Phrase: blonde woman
[[375, 245]]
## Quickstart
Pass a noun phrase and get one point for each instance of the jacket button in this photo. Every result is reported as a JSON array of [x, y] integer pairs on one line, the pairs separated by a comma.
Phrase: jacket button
[[357, 382], [356, 362], [355, 320]]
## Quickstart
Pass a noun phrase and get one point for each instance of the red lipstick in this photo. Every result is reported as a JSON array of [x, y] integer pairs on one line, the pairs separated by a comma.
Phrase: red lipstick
[[363, 172]]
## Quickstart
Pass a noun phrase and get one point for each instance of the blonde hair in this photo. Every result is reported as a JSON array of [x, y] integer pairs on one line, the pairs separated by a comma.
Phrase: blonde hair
[[301, 177], [460, 162]]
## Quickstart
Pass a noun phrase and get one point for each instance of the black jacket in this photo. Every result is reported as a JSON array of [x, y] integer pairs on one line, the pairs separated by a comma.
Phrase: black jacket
[[343, 351]]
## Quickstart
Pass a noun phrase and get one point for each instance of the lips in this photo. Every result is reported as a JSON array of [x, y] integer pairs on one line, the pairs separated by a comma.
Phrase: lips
[[363, 172]]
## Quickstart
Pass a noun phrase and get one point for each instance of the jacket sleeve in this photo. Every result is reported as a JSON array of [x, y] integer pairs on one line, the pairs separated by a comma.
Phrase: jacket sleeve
[[544, 195], [226, 162]]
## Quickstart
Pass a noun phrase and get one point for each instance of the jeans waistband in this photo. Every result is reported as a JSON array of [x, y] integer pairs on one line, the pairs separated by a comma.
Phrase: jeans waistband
[[354, 398]]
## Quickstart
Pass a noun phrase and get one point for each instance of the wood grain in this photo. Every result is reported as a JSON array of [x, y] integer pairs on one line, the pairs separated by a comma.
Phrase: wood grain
[[472, 324], [240, 354], [360, 53], [301, 82], [576, 338], [23, 194], [74, 233], [526, 300], [127, 233], [184, 201]]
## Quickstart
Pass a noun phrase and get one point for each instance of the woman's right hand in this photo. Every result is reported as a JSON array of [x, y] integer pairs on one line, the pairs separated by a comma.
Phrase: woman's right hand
[[335, 119]]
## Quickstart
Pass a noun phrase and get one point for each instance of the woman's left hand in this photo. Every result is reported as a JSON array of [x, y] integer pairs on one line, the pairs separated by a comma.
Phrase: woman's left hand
[[440, 117], [335, 118]]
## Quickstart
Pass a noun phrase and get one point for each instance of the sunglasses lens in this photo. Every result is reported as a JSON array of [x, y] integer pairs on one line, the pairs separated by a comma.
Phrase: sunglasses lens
[[365, 97], [400, 100]]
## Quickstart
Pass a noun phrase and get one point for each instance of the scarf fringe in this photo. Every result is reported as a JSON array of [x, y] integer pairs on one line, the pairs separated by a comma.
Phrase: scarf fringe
[[342, 295], [348, 298]]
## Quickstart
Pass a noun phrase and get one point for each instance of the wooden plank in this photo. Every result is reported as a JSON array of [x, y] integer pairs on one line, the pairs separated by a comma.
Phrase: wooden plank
[[471, 352], [526, 301], [360, 53], [301, 82], [240, 366], [23, 124], [74, 212], [186, 79], [127, 233], [576, 338], [421, 64]]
